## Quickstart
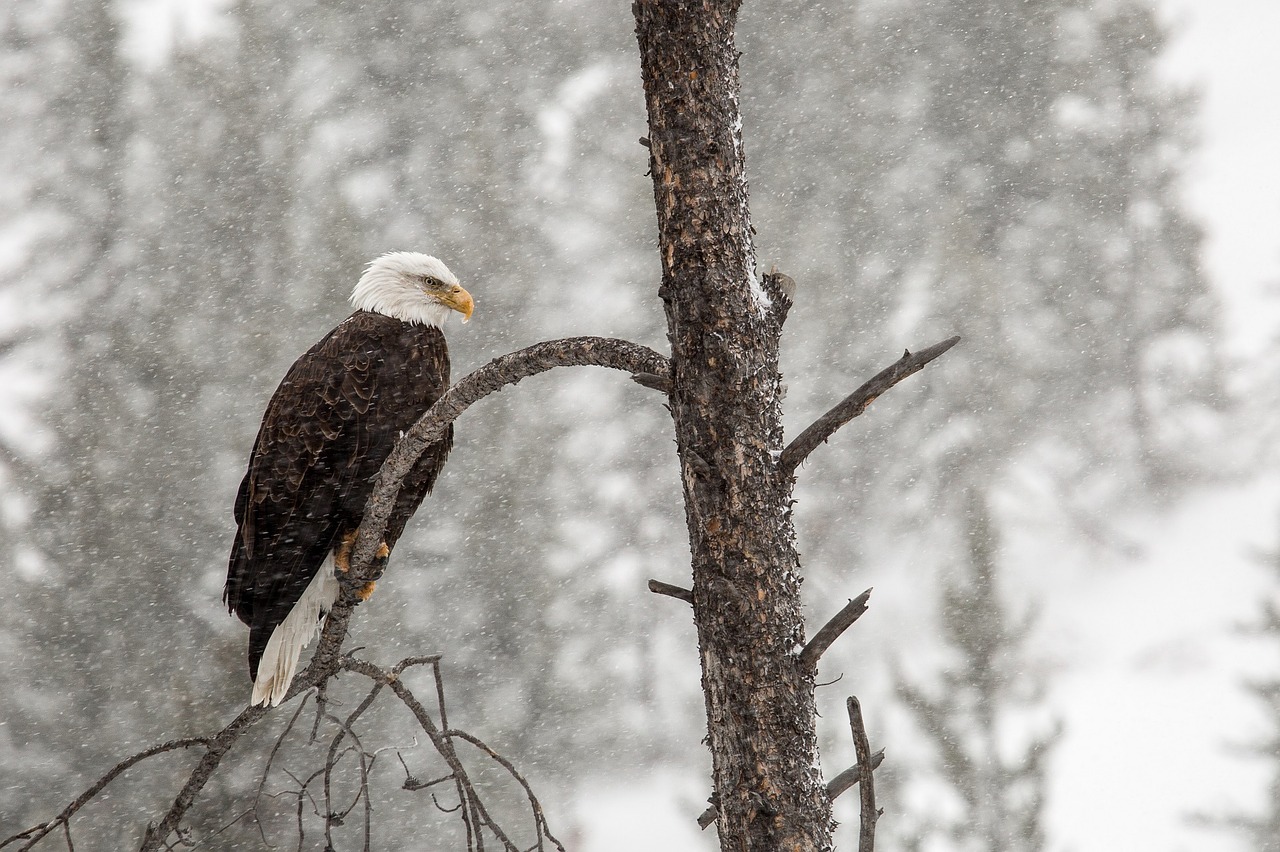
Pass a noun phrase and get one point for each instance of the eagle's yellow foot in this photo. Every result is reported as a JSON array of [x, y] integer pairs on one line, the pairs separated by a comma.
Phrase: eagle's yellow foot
[[342, 553], [379, 565]]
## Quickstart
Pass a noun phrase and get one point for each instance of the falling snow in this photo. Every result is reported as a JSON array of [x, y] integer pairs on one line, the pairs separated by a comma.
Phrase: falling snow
[[188, 208]]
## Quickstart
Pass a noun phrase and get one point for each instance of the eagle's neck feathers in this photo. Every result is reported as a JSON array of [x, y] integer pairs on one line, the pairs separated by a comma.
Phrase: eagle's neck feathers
[[388, 287]]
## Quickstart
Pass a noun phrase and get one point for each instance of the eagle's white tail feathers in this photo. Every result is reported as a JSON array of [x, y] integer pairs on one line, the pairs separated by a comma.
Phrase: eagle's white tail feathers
[[280, 659]]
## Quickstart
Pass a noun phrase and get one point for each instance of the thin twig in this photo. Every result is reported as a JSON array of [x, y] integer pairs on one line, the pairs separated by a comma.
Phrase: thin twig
[[331, 762], [275, 749], [413, 784], [37, 833], [210, 838], [540, 819], [830, 632], [866, 784], [443, 746], [856, 403], [466, 807], [440, 706], [660, 588]]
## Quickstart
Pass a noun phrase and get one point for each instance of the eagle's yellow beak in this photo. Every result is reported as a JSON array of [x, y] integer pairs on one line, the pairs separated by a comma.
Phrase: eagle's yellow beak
[[460, 300]]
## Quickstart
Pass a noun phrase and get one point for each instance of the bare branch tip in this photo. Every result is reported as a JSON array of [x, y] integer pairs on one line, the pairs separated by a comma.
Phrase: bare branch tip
[[866, 785], [653, 381], [818, 432], [660, 588], [832, 630]]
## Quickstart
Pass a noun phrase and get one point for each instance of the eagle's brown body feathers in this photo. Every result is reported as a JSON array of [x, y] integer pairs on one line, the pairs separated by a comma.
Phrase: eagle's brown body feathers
[[327, 430]]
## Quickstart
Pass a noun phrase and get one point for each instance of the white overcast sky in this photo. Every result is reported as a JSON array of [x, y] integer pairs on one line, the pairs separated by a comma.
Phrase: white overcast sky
[[1228, 50]]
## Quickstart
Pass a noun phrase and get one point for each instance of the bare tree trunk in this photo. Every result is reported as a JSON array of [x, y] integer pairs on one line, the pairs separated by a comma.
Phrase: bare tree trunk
[[725, 395]]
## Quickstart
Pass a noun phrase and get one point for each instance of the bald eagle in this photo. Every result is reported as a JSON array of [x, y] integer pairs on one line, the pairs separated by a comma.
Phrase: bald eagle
[[327, 430]]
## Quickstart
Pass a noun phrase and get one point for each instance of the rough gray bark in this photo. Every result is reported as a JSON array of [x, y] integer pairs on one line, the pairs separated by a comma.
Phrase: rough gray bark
[[725, 397]]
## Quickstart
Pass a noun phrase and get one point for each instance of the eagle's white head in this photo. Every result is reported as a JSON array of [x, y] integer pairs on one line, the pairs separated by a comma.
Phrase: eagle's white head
[[412, 287]]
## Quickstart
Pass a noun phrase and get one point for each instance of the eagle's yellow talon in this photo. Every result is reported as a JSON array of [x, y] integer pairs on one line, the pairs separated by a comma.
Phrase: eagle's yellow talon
[[342, 553], [367, 592]]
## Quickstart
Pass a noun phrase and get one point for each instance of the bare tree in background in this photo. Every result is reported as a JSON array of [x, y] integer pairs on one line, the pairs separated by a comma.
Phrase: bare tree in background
[[1261, 829], [971, 718]]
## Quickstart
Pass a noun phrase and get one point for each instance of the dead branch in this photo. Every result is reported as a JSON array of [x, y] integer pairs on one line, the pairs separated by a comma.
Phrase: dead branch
[[442, 739], [856, 403], [866, 784], [845, 780], [442, 745], [492, 377], [660, 588], [661, 384], [539, 816], [37, 833], [275, 751], [345, 729], [216, 748], [830, 632]]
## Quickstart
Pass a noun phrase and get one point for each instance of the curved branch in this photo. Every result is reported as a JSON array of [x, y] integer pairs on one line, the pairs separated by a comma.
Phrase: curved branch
[[492, 377], [855, 403]]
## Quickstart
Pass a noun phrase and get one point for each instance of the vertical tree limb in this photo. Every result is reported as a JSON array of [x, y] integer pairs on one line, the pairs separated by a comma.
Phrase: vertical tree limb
[[866, 782], [725, 396]]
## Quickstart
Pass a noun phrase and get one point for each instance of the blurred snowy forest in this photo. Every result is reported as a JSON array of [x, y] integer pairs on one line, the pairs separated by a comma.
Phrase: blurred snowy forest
[[190, 200]]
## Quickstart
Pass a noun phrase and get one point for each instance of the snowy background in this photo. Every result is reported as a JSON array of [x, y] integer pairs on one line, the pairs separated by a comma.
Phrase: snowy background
[[1158, 719], [169, 172]]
